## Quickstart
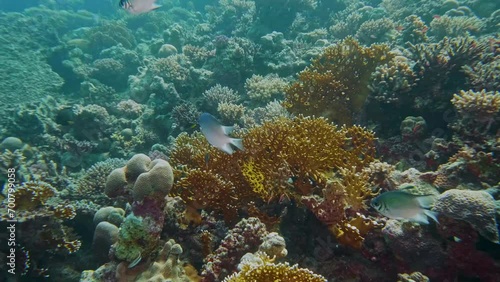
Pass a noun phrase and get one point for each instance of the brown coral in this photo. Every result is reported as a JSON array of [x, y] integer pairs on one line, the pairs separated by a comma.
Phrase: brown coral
[[336, 84], [284, 158]]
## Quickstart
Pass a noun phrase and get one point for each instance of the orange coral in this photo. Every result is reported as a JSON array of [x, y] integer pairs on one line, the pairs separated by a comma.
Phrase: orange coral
[[282, 158], [351, 232], [336, 84], [263, 269]]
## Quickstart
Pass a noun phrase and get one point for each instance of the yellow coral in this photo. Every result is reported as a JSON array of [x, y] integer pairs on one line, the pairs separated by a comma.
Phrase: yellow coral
[[282, 158], [478, 105], [351, 232], [336, 84], [255, 178], [205, 189], [267, 271]]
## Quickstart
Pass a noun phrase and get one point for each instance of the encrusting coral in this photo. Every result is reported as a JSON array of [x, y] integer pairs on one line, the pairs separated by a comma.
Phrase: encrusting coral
[[335, 85]]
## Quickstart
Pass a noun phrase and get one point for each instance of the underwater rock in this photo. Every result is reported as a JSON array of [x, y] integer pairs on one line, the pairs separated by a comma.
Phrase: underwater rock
[[167, 50], [475, 207], [406, 239], [11, 144]]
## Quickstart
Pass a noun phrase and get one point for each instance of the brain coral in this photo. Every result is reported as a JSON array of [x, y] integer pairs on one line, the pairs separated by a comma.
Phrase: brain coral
[[141, 177], [475, 207]]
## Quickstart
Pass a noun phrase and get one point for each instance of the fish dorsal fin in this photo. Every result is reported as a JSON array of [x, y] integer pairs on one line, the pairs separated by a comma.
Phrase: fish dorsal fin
[[426, 201], [227, 129]]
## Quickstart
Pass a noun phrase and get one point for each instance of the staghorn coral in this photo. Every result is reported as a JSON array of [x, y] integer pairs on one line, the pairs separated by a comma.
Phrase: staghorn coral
[[455, 26], [263, 269], [413, 30], [484, 75], [335, 85], [390, 82], [264, 88], [220, 94], [230, 113], [260, 115], [480, 106], [439, 67], [376, 31]]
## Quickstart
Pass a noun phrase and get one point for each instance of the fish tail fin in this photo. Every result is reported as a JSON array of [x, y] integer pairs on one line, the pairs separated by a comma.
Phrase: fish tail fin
[[426, 201], [156, 6], [432, 214], [238, 143]]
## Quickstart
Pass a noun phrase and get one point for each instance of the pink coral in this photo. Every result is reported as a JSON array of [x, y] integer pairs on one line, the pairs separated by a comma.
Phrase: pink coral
[[245, 237]]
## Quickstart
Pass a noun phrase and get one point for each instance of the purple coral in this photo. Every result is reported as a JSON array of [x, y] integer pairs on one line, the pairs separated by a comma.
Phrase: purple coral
[[245, 237]]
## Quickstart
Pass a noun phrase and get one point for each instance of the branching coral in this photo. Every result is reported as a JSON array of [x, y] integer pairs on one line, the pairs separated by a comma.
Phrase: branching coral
[[265, 270], [264, 88], [40, 201], [336, 83], [455, 26], [220, 94], [282, 158], [391, 81], [480, 106]]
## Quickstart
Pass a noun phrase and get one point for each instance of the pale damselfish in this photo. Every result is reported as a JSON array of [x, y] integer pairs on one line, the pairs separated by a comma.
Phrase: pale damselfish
[[403, 205], [138, 6], [217, 134]]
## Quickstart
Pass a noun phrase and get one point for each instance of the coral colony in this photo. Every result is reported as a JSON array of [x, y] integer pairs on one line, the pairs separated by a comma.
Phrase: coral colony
[[250, 140]]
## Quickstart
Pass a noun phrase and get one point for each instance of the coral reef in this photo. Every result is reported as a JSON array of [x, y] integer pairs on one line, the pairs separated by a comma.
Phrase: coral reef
[[478, 208], [263, 269], [328, 87]]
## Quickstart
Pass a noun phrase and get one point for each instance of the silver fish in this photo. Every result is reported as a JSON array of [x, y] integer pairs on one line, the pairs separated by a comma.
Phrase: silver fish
[[135, 262], [217, 134], [138, 6], [403, 205]]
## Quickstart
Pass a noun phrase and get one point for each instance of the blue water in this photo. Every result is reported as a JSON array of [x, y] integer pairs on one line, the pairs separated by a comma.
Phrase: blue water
[[99, 108]]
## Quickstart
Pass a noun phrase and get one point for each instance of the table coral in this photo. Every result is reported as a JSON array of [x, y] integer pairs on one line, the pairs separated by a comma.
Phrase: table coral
[[335, 85]]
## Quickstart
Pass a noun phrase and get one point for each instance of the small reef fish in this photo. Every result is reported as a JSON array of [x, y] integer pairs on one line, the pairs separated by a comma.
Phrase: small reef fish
[[217, 134], [403, 205], [137, 7]]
